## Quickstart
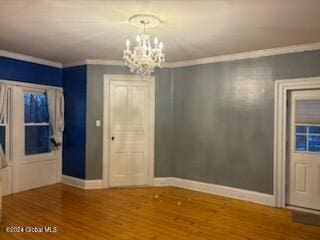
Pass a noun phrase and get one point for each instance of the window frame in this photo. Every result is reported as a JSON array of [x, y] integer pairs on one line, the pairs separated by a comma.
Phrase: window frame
[[18, 162], [35, 156], [6, 123], [307, 135]]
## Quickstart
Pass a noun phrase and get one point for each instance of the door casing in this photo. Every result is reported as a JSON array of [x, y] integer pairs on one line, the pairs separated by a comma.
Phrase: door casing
[[106, 123], [282, 87]]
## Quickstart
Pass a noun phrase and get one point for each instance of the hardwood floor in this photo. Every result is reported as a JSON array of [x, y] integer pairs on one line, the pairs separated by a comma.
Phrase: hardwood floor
[[135, 213]]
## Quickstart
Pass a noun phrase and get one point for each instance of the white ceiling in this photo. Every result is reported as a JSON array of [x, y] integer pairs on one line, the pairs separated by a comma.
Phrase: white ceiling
[[71, 30]]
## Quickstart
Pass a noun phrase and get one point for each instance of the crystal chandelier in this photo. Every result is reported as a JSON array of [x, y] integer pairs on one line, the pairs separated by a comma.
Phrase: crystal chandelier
[[144, 58]]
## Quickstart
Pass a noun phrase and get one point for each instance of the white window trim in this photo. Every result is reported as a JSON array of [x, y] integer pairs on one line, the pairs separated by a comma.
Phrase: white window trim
[[7, 128], [39, 88], [37, 124], [32, 86], [17, 157], [308, 124]]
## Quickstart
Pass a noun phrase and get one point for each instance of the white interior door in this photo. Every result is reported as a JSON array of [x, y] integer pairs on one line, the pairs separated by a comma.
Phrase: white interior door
[[129, 158], [304, 150]]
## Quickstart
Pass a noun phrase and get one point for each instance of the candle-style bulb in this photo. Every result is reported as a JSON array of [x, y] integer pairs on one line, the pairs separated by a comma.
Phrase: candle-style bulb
[[161, 45], [156, 41], [128, 42], [138, 38]]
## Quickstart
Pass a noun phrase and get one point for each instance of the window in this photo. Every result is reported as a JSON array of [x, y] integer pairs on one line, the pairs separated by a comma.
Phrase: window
[[307, 138], [4, 127], [3, 137], [36, 119]]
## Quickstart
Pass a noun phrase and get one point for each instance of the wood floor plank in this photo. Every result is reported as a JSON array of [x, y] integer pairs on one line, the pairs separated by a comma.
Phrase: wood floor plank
[[146, 213]]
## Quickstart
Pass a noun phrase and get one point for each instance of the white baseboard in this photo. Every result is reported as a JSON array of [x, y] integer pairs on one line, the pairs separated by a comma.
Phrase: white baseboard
[[82, 183], [162, 181], [94, 184], [252, 196], [6, 180]]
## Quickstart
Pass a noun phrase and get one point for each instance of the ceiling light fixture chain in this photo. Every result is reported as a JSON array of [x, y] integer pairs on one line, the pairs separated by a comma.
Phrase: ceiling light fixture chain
[[144, 58]]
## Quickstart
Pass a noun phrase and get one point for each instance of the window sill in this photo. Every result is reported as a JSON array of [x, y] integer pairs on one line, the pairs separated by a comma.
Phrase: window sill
[[40, 157]]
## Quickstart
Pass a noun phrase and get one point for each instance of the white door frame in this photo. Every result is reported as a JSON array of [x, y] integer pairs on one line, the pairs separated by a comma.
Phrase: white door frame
[[106, 123], [280, 131]]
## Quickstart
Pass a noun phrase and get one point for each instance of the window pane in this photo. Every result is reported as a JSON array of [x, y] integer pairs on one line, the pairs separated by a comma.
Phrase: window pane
[[37, 139], [3, 138], [314, 129], [301, 143], [35, 108], [314, 143], [301, 129]]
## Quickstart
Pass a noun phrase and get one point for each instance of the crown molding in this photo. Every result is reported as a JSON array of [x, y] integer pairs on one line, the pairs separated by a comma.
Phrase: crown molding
[[221, 58], [94, 62], [31, 59], [199, 61], [74, 64], [246, 55], [105, 62]]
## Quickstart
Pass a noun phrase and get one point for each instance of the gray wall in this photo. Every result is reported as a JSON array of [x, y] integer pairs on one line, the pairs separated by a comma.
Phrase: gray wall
[[214, 122], [223, 117], [164, 134]]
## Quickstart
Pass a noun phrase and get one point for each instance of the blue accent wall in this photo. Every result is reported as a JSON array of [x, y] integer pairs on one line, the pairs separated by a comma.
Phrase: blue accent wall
[[22, 71], [74, 141]]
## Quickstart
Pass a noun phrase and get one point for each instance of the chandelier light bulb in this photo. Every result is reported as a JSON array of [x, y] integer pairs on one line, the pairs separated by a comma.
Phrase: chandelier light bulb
[[161, 45], [156, 41], [128, 42], [138, 38]]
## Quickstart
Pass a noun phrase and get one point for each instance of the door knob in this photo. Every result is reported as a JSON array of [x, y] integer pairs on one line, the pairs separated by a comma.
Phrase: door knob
[[112, 138]]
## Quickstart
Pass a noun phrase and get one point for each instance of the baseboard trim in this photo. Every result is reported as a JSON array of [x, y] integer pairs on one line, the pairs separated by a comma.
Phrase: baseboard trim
[[82, 183], [242, 194], [163, 181]]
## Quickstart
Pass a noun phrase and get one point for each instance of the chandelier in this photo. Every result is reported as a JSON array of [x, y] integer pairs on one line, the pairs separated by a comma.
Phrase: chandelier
[[144, 58]]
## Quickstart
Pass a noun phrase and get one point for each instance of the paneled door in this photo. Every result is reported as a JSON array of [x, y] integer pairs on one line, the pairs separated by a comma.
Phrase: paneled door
[[129, 158], [304, 151]]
